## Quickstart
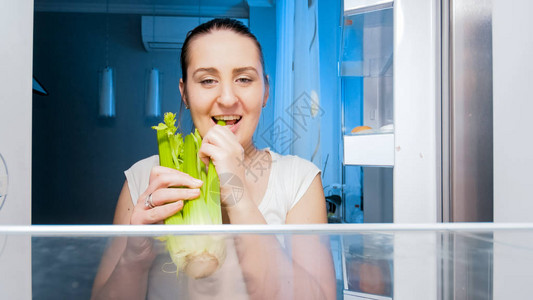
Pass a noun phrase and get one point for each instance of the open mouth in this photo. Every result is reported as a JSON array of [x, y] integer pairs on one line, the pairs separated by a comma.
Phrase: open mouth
[[229, 119]]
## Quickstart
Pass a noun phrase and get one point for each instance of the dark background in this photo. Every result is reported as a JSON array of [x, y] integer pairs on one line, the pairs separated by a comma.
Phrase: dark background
[[79, 158]]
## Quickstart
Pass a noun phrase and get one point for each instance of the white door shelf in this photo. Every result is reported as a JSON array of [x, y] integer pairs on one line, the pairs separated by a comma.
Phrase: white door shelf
[[369, 149]]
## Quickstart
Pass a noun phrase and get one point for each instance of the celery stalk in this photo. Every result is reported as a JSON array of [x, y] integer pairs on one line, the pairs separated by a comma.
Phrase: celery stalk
[[197, 256], [165, 151]]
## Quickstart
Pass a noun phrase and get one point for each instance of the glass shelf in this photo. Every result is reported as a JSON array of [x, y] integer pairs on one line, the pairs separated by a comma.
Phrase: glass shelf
[[375, 261], [352, 7], [367, 48]]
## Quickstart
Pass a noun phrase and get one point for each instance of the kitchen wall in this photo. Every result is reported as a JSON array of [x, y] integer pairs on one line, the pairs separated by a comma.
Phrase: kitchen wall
[[79, 158]]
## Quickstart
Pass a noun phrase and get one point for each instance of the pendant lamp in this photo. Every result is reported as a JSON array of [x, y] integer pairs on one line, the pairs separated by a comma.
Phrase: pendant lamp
[[153, 99], [106, 95]]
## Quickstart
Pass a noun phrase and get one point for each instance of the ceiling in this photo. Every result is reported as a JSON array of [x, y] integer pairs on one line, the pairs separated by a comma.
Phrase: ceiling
[[227, 8]]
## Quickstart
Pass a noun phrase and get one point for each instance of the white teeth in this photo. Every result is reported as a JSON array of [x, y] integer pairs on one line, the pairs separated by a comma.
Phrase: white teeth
[[227, 118]]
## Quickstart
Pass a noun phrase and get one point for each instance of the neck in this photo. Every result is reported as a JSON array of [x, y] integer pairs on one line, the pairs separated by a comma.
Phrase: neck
[[257, 164], [250, 151]]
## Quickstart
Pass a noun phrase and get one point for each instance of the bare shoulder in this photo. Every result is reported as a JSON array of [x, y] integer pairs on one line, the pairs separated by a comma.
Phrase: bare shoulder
[[124, 207], [312, 206]]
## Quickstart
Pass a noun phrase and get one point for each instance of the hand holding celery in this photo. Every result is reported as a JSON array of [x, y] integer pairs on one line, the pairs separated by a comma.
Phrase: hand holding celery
[[198, 256]]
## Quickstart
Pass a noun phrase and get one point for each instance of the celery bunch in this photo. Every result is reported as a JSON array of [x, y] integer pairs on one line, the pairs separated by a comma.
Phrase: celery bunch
[[197, 255]]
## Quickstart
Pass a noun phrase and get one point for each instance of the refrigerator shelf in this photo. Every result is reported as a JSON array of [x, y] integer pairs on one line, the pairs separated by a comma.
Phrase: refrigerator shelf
[[369, 149]]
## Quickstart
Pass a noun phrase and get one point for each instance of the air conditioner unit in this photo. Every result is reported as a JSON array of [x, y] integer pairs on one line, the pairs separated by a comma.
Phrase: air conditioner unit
[[165, 33]]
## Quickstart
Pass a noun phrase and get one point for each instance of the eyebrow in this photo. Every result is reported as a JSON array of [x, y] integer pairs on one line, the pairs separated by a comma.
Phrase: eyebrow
[[207, 70], [235, 71], [244, 69]]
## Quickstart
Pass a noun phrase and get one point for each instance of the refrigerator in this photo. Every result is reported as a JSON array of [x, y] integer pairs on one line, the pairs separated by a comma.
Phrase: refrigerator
[[416, 95], [440, 115]]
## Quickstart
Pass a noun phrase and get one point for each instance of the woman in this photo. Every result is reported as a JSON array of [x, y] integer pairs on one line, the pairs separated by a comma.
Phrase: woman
[[223, 78]]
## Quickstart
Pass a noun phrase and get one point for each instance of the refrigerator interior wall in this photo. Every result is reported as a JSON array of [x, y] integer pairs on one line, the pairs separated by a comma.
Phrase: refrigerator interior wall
[[16, 23], [366, 70]]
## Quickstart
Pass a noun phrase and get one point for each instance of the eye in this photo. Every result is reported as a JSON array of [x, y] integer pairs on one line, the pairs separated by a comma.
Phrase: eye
[[244, 80], [208, 82]]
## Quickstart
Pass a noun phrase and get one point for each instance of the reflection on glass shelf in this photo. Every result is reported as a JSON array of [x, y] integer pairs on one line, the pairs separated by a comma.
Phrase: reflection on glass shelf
[[368, 261], [371, 261], [380, 261]]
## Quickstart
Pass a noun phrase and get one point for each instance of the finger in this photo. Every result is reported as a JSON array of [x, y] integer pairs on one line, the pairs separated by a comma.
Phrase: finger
[[209, 151], [223, 139], [225, 131], [221, 136], [165, 180], [139, 250], [160, 213], [164, 196], [163, 170], [159, 171]]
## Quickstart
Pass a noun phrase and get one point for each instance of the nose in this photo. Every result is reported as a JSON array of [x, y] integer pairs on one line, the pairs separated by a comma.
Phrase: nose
[[227, 95]]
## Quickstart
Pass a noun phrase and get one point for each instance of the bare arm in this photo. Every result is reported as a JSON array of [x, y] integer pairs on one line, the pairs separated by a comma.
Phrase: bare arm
[[123, 271], [267, 268], [269, 272], [122, 277], [312, 252]]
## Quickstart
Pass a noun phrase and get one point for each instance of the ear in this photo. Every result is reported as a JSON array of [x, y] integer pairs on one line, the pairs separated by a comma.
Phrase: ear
[[183, 93], [267, 91]]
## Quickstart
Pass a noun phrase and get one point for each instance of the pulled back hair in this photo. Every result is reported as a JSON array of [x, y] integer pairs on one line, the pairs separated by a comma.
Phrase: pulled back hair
[[210, 26]]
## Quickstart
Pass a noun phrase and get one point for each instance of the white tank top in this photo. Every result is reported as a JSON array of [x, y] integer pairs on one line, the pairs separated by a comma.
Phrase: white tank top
[[290, 177]]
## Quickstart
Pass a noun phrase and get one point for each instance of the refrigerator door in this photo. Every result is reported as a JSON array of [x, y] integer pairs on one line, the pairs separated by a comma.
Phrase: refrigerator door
[[366, 71], [390, 71]]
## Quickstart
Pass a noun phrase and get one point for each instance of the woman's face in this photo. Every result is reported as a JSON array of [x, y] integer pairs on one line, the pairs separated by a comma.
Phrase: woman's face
[[225, 82]]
